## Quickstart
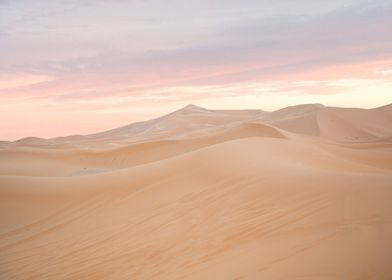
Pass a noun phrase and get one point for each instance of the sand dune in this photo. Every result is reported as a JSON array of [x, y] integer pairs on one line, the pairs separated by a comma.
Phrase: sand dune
[[49, 162], [338, 124], [299, 193]]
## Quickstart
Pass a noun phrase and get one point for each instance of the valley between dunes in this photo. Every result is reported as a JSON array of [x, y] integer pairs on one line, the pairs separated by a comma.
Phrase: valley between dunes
[[301, 193]]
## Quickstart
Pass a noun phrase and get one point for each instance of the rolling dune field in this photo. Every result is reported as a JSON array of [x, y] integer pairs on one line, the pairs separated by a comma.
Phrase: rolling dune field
[[302, 193]]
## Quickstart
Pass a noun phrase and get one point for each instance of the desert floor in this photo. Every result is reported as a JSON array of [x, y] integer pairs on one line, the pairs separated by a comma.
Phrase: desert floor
[[301, 193]]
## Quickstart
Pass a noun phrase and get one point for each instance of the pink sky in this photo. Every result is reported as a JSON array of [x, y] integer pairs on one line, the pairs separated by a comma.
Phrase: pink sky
[[84, 66]]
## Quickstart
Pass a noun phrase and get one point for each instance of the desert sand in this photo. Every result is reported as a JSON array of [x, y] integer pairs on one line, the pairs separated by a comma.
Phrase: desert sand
[[301, 193]]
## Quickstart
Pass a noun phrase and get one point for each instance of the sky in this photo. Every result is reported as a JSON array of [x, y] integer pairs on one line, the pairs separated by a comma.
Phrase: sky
[[83, 66]]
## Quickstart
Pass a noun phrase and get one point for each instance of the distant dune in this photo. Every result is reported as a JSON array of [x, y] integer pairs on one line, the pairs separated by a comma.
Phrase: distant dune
[[300, 193]]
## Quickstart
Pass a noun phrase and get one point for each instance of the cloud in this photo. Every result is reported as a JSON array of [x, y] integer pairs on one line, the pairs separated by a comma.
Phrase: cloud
[[248, 50]]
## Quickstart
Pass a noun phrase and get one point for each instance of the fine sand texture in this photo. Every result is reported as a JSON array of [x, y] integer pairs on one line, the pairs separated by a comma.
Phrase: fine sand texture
[[301, 193]]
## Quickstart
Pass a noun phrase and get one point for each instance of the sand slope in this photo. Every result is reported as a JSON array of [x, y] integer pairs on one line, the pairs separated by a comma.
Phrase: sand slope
[[216, 195], [338, 124]]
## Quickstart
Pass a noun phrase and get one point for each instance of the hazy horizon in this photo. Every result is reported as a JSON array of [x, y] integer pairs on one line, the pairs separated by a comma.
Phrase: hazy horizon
[[190, 104]]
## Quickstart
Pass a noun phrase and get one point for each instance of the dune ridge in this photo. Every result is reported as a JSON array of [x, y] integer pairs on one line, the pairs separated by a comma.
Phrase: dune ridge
[[299, 193]]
